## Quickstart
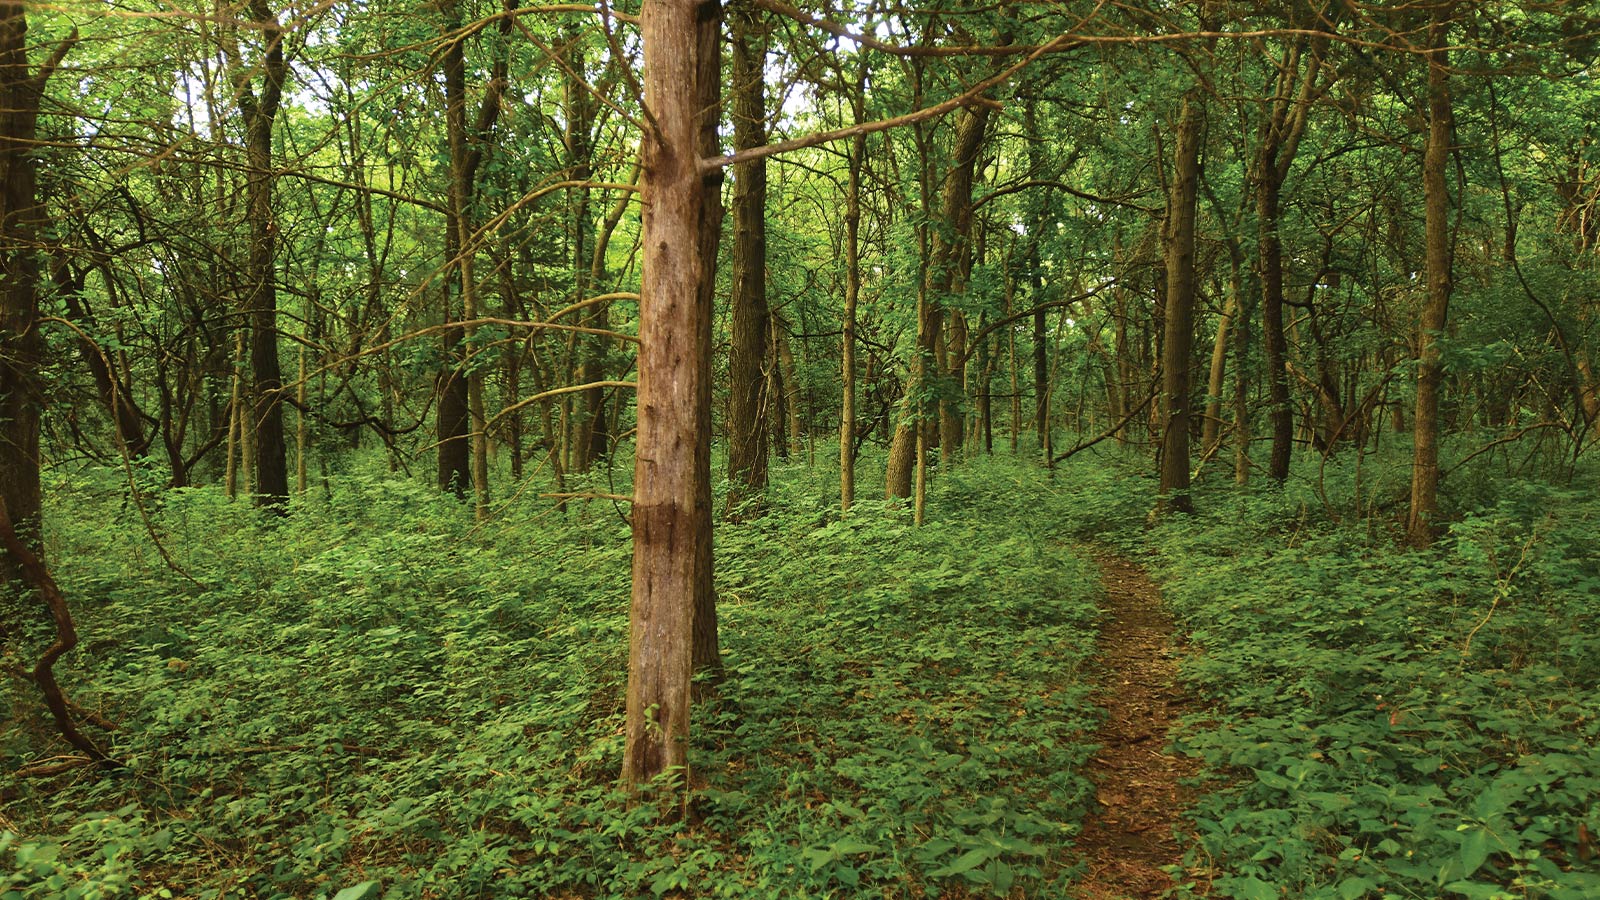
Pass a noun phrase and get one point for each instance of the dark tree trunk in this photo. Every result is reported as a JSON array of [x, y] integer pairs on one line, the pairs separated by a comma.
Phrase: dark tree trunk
[[750, 384], [260, 112], [1422, 520], [1178, 345], [21, 220]]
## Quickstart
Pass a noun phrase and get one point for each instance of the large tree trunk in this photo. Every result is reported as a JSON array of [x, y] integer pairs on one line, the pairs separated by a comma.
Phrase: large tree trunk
[[1421, 522], [1178, 344], [1280, 140], [671, 508], [260, 112], [750, 397], [22, 217], [463, 454]]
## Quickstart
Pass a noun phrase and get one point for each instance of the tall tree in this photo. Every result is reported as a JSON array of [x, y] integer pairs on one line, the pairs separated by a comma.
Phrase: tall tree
[[949, 242], [259, 108], [750, 401], [1281, 130], [22, 217], [672, 478], [1421, 521], [463, 451], [1178, 345]]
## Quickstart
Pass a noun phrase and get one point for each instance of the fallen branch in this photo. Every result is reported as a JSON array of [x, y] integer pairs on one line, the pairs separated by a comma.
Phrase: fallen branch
[[1084, 445]]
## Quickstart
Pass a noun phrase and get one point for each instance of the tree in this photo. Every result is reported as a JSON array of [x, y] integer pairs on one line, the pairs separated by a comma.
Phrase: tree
[[750, 402], [672, 478], [259, 109], [1422, 518], [22, 218], [1178, 345]]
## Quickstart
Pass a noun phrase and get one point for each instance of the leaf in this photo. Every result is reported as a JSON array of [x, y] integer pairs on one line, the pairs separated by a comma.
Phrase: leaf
[[1252, 888], [1474, 851], [848, 847], [1356, 887], [966, 862], [359, 892]]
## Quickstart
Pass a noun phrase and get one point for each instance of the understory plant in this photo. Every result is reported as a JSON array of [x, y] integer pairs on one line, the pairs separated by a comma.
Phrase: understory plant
[[376, 697]]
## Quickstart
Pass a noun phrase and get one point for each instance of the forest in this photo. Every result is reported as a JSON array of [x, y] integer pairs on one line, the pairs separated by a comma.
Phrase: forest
[[782, 449]]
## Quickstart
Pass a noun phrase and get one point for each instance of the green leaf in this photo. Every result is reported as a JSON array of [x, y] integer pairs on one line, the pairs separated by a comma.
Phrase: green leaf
[[1474, 851], [1252, 888], [966, 862], [359, 892], [1356, 887]]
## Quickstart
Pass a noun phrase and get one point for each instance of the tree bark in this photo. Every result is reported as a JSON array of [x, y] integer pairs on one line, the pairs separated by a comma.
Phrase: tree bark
[[22, 217], [1280, 140], [955, 201], [260, 112], [671, 508], [590, 438], [750, 384], [463, 452], [852, 295], [1178, 345], [1422, 520]]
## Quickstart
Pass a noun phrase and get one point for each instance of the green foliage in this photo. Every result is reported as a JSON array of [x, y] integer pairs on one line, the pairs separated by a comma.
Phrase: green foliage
[[374, 698], [1392, 723]]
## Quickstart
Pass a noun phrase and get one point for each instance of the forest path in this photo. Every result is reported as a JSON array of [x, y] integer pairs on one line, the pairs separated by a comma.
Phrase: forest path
[[1129, 836]]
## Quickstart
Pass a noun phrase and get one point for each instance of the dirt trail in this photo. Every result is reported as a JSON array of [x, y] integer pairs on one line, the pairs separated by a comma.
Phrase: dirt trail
[[1128, 836]]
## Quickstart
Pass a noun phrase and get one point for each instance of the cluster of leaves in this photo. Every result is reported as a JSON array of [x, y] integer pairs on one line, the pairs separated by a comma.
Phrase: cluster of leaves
[[1389, 723], [373, 690]]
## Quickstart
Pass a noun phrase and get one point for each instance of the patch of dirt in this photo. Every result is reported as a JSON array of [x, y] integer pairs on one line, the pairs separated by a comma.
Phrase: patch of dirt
[[1128, 837]]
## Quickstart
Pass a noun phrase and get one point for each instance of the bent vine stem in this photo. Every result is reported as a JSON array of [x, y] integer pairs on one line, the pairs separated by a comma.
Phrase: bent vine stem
[[33, 569]]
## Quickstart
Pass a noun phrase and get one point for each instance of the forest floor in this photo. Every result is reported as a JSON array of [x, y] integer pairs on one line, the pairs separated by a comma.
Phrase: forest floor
[[1130, 837]]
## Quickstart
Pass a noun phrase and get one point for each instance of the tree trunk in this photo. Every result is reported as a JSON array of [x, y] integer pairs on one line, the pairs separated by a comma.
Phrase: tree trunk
[[271, 464], [1421, 522], [671, 508], [1211, 428], [852, 294], [750, 394], [22, 217], [1279, 413], [1241, 393], [1178, 345], [463, 454], [589, 434]]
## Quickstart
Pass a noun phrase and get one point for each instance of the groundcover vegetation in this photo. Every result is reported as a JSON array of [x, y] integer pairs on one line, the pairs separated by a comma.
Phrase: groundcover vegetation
[[1387, 722], [378, 698]]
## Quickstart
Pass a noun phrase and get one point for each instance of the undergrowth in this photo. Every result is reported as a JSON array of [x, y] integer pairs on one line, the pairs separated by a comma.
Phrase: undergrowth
[[374, 697], [1387, 722]]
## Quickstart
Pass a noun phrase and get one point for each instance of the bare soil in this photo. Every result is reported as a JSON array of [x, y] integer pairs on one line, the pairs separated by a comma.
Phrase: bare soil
[[1130, 835]]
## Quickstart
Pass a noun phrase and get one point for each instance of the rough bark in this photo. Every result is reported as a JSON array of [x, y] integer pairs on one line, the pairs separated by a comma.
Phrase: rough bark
[[22, 217], [463, 452], [750, 398], [1280, 140], [671, 509], [1211, 428], [589, 434]]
